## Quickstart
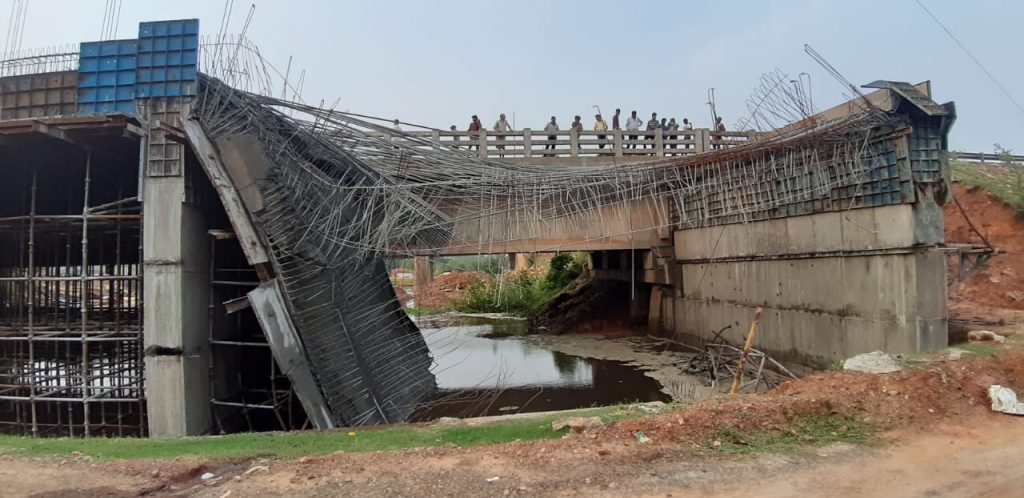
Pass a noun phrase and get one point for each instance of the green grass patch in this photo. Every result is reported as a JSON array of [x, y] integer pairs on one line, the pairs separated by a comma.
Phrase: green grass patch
[[803, 432], [296, 444], [978, 348], [421, 311], [1003, 181]]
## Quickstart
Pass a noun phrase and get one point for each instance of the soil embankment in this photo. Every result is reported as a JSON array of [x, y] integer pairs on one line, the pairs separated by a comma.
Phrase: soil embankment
[[993, 296]]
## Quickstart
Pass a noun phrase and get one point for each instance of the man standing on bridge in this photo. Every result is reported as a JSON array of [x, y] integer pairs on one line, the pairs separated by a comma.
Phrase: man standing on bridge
[[501, 127], [633, 124], [651, 126], [577, 129], [552, 126], [474, 132], [601, 126], [615, 120]]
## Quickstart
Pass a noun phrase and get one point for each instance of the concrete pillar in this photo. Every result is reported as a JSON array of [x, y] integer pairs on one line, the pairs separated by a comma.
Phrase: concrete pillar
[[527, 143], [422, 274], [522, 261], [175, 315], [574, 143], [482, 140], [659, 143], [617, 137]]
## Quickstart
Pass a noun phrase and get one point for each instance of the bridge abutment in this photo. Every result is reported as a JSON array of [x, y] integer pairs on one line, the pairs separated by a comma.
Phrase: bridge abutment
[[832, 285]]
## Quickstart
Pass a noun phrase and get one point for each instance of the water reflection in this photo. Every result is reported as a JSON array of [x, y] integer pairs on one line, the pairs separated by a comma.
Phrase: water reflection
[[485, 367]]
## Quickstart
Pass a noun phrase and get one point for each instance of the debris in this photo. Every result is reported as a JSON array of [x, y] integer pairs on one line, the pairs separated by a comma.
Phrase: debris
[[651, 408], [875, 362], [207, 476], [641, 437], [448, 421], [493, 480], [508, 408], [746, 352], [577, 424], [985, 336], [351, 434], [256, 468], [718, 362], [1004, 400]]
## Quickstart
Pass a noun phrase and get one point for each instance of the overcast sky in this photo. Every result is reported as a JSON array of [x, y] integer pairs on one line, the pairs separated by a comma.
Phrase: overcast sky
[[436, 63]]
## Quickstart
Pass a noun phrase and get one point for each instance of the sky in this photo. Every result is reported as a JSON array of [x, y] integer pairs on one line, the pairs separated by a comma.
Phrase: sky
[[436, 63]]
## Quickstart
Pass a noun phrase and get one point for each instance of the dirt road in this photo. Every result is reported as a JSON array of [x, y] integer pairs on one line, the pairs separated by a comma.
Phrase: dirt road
[[983, 458]]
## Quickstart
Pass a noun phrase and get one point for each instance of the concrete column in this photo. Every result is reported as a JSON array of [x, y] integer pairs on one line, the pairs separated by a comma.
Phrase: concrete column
[[527, 143], [574, 143], [659, 143], [435, 137], [176, 320], [522, 261], [618, 142], [483, 144], [422, 274]]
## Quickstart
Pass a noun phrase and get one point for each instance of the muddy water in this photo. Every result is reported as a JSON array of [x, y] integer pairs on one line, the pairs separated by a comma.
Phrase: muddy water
[[487, 366]]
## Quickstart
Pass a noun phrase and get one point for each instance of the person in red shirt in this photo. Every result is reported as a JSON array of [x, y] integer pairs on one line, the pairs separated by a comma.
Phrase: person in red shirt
[[474, 132]]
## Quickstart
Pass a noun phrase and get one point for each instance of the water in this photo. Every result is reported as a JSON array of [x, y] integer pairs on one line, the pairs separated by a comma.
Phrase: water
[[487, 367]]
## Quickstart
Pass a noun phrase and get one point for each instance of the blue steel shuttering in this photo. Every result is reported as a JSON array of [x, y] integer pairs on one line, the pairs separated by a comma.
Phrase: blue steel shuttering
[[106, 77], [168, 58]]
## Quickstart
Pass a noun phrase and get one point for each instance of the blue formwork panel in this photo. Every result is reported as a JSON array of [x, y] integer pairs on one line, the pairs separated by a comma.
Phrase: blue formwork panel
[[168, 62], [107, 76]]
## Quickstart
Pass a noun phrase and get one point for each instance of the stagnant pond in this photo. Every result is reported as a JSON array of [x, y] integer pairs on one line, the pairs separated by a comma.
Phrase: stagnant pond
[[487, 366]]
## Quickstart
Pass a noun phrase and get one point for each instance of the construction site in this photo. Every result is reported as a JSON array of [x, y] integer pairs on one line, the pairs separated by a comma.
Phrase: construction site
[[183, 253]]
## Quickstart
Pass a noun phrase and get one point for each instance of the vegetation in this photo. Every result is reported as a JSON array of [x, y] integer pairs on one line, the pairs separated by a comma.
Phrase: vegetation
[[978, 348], [1004, 181], [487, 263], [810, 430], [421, 311], [522, 292], [295, 444]]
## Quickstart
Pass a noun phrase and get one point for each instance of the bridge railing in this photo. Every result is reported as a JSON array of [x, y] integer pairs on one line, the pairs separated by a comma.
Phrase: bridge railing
[[529, 143]]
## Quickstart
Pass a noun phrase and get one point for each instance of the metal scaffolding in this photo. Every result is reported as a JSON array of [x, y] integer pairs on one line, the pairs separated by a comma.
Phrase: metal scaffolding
[[249, 390], [70, 315]]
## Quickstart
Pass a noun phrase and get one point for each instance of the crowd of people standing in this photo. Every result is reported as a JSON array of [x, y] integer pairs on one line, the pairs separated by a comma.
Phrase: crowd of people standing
[[634, 127]]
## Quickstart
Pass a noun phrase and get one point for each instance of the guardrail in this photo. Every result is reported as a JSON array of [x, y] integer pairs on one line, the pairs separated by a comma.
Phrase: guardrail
[[982, 157], [528, 143]]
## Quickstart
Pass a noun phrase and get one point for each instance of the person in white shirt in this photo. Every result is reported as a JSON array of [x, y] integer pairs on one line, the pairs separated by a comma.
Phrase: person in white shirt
[[551, 126], [396, 126], [633, 124], [501, 127]]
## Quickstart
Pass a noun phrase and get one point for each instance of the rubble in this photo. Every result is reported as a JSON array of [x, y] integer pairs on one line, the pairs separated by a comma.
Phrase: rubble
[[875, 362], [577, 424], [985, 336], [1004, 400]]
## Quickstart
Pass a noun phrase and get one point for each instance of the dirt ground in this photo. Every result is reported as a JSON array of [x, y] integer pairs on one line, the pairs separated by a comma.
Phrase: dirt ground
[[942, 440], [940, 437], [994, 295]]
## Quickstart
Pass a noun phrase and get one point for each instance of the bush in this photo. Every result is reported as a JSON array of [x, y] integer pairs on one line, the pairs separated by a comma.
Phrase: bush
[[521, 292], [563, 270], [513, 292]]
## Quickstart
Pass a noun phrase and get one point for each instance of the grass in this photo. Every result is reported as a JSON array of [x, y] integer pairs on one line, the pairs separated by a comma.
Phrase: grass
[[812, 430], [421, 311], [1004, 181], [296, 444], [978, 348]]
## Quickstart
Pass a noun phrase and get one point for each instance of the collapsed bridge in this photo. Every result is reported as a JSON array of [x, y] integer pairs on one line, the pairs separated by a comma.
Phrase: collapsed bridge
[[137, 285]]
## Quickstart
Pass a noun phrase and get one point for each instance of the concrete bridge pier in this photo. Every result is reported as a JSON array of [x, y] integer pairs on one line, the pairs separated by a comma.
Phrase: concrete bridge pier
[[422, 274]]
